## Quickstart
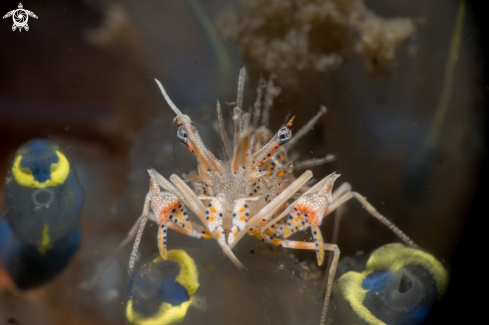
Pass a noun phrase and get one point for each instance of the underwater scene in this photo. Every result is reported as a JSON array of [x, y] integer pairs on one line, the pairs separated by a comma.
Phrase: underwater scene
[[241, 162]]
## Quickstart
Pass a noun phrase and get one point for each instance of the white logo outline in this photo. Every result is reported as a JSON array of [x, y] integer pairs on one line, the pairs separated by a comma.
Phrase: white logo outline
[[20, 17]]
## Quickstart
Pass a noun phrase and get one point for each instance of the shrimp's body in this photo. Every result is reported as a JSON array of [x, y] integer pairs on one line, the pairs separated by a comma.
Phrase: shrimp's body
[[252, 192]]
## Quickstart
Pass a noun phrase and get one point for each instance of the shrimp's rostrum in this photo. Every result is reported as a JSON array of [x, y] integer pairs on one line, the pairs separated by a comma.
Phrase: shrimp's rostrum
[[252, 192]]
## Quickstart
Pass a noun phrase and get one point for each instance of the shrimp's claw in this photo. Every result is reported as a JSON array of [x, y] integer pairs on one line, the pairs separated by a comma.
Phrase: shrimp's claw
[[162, 231], [298, 219], [179, 216], [318, 240], [214, 213]]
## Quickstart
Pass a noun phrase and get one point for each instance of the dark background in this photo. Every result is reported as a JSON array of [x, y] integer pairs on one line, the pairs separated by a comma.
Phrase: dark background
[[83, 76], [464, 302]]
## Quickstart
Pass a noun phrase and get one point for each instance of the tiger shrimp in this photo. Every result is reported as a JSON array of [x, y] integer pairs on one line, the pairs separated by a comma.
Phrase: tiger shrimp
[[251, 193]]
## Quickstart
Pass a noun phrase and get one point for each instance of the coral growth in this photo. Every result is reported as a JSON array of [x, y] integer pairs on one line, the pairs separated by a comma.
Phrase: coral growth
[[292, 37]]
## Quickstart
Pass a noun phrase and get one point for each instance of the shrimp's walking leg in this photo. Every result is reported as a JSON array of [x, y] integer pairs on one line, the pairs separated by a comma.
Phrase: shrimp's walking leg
[[340, 197], [343, 188], [383, 219], [143, 218], [201, 234], [139, 234], [331, 275], [336, 227], [87, 285], [306, 212], [332, 270], [350, 194]]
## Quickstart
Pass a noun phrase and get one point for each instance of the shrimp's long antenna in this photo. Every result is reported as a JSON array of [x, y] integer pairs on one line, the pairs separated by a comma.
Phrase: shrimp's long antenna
[[270, 93], [168, 100]]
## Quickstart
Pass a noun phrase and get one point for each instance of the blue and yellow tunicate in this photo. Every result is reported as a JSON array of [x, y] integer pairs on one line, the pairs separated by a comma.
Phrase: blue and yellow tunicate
[[399, 285], [161, 292], [42, 207]]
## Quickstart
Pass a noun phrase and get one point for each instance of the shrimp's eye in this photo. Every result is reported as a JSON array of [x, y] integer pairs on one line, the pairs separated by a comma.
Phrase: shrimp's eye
[[284, 135], [182, 135]]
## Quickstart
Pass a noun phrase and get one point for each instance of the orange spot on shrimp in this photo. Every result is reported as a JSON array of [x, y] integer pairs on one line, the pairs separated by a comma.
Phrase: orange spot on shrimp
[[276, 241]]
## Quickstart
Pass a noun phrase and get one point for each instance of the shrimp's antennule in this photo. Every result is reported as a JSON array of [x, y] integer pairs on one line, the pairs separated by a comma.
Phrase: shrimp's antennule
[[224, 135], [241, 82], [188, 135], [242, 130], [167, 98]]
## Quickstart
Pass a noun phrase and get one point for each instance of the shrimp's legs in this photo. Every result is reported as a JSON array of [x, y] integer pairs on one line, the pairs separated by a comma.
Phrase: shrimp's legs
[[130, 235], [340, 197], [332, 269], [350, 194], [268, 211], [198, 208], [307, 211]]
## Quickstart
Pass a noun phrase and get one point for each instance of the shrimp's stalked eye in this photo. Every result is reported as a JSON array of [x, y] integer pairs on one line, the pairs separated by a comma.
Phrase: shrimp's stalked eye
[[182, 135], [284, 135]]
